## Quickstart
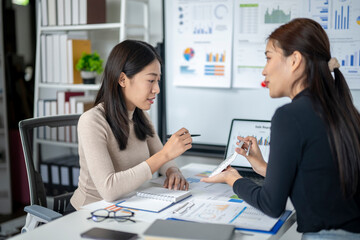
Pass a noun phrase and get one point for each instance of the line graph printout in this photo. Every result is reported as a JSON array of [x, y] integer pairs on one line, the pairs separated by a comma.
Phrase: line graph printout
[[241, 215]]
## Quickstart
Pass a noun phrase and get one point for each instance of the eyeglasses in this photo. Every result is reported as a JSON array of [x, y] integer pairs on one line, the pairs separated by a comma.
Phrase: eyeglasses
[[120, 216]]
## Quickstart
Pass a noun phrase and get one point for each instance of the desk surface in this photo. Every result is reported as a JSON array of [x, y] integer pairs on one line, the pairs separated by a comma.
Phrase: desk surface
[[72, 225]]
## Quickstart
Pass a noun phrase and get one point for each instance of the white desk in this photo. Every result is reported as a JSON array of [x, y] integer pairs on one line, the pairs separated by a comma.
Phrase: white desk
[[70, 226]]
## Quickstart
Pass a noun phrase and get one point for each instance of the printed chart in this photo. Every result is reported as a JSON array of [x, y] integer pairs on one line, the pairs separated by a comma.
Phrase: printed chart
[[222, 43], [203, 39]]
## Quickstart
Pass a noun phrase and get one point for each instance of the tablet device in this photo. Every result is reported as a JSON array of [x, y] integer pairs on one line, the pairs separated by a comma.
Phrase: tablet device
[[224, 164], [107, 234], [260, 129]]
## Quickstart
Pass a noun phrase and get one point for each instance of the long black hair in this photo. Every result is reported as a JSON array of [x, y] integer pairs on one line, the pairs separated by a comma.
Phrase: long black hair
[[129, 57], [333, 95]]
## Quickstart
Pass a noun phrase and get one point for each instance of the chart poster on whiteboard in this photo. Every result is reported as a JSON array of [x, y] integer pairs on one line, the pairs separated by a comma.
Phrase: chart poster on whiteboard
[[253, 22], [343, 29], [202, 33]]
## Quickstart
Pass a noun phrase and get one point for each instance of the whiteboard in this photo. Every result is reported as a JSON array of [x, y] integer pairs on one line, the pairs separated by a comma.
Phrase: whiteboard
[[208, 110]]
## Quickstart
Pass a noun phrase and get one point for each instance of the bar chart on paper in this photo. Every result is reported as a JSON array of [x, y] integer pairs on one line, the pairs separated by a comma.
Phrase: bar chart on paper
[[215, 57], [319, 11], [352, 59], [203, 38], [348, 55], [341, 17]]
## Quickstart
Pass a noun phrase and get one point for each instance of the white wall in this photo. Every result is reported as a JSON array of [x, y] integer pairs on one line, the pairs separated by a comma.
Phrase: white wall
[[156, 21]]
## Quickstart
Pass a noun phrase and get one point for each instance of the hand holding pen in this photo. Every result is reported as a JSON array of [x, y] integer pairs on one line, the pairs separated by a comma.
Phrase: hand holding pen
[[251, 151], [177, 144], [248, 149]]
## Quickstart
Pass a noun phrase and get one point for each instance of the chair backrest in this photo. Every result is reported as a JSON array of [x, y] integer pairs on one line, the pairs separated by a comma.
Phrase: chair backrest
[[26, 127]]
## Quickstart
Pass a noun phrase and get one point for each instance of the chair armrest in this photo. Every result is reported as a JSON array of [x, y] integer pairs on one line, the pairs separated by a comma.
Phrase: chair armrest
[[42, 212]]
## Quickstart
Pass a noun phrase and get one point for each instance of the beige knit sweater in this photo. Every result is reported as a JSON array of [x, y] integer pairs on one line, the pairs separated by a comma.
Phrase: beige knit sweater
[[106, 172]]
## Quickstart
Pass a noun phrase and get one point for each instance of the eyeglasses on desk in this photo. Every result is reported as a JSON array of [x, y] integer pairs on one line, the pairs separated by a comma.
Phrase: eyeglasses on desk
[[120, 216]]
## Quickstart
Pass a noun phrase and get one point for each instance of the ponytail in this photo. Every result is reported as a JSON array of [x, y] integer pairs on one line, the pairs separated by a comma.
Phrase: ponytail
[[346, 137]]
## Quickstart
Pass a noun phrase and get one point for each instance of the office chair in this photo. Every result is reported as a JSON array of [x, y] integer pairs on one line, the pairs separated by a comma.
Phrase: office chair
[[37, 212]]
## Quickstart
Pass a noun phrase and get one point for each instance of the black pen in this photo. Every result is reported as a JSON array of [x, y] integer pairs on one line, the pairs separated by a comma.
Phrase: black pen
[[192, 135]]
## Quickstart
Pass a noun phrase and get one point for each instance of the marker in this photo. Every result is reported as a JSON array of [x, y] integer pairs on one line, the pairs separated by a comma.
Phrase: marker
[[192, 135]]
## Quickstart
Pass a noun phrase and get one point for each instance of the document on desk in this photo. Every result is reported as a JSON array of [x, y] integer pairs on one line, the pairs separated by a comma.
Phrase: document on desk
[[203, 190], [242, 215]]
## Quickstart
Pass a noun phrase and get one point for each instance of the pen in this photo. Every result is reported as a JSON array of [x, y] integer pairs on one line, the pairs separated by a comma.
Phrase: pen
[[178, 209], [248, 150], [192, 135], [184, 208]]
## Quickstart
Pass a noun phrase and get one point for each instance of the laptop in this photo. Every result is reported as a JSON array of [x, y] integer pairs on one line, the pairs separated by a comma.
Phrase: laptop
[[245, 127]]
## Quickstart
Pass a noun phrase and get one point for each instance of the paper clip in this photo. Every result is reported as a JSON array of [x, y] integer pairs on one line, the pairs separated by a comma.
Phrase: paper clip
[[184, 208]]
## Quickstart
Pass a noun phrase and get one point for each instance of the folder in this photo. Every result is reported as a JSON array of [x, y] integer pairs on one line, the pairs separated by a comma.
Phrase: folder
[[59, 175], [75, 175], [76, 47], [66, 167]]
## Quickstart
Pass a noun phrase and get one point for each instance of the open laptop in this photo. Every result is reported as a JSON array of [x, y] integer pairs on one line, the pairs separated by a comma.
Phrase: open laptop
[[245, 127]]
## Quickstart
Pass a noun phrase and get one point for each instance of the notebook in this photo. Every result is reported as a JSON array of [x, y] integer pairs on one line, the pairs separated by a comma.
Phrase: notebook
[[154, 199], [168, 229], [245, 127]]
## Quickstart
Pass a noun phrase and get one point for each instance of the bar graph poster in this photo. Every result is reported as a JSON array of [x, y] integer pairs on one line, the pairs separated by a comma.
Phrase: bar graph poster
[[344, 34], [348, 55], [253, 22], [202, 35], [221, 43]]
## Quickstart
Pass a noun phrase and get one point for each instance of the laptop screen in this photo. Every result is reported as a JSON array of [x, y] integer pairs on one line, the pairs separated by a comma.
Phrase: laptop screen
[[260, 129]]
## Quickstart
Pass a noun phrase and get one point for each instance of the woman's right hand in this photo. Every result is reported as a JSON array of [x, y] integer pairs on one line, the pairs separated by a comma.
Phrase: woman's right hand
[[177, 144], [255, 157]]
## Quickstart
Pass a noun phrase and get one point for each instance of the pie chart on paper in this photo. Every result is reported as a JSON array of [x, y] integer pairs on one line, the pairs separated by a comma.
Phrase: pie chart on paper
[[189, 54]]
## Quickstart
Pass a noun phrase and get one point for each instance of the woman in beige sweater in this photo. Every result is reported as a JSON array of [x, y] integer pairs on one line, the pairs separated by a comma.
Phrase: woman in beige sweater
[[118, 147]]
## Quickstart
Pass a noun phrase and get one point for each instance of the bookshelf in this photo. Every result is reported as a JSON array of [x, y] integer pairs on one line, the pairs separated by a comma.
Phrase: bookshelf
[[5, 177], [103, 37]]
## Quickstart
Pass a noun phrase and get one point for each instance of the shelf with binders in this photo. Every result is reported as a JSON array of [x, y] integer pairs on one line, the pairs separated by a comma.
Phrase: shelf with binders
[[86, 27], [99, 26], [57, 50], [70, 86], [60, 174]]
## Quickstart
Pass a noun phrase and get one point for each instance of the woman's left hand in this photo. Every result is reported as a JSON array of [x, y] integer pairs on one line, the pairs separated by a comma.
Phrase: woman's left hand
[[175, 180], [229, 176]]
